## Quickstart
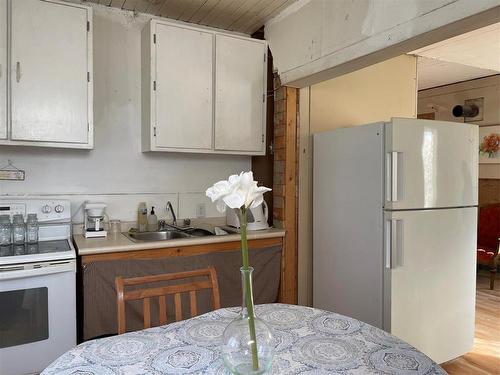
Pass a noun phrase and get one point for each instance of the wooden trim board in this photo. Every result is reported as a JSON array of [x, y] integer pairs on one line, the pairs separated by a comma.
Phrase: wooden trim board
[[288, 290]]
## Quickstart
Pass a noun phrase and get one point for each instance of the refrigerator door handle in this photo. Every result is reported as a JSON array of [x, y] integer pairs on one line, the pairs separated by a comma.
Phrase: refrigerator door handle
[[399, 254], [388, 243], [394, 176], [394, 244]]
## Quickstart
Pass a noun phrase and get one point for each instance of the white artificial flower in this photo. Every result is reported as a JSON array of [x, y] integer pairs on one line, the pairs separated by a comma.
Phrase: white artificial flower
[[237, 192]]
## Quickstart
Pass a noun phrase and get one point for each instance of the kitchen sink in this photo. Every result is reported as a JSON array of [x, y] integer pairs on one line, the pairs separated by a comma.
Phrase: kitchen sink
[[167, 234], [198, 232], [156, 236]]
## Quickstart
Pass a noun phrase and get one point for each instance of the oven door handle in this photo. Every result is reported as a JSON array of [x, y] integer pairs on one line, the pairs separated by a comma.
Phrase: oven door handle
[[39, 269]]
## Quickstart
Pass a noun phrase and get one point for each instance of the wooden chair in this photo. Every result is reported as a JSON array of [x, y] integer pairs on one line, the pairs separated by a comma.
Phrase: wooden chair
[[161, 292], [488, 239]]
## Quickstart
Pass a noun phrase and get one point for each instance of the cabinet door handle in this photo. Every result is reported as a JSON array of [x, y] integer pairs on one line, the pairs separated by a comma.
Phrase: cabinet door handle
[[18, 71], [0, 70]]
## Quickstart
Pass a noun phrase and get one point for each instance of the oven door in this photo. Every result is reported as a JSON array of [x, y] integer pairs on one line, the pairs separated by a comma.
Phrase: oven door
[[37, 315]]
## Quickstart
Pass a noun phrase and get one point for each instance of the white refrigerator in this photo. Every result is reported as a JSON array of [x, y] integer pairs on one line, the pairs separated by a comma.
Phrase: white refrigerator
[[394, 238]]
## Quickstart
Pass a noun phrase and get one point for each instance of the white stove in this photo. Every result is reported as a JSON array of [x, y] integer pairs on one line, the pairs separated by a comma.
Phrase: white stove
[[37, 289], [54, 218]]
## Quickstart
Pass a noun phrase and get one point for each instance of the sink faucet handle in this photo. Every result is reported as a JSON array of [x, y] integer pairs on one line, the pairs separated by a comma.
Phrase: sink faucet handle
[[161, 224], [171, 210]]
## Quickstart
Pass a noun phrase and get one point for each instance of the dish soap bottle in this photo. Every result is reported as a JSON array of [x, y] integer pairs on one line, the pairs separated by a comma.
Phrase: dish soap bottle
[[152, 221], [142, 217]]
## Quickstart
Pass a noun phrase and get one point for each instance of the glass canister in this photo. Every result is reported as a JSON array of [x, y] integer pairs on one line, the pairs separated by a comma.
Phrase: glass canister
[[5, 230], [32, 229], [18, 229]]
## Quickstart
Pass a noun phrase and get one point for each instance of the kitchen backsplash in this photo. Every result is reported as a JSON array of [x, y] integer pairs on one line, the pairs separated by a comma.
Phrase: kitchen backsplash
[[124, 206]]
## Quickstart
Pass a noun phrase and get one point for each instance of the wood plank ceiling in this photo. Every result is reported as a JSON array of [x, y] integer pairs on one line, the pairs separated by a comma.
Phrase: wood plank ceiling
[[244, 16]]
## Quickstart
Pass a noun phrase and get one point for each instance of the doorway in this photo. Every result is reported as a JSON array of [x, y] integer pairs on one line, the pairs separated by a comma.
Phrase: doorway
[[459, 80]]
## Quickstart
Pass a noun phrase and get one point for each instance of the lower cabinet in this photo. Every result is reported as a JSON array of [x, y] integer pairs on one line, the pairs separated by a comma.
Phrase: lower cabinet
[[98, 307]]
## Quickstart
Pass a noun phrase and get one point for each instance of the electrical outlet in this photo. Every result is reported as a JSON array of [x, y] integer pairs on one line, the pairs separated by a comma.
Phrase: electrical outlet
[[201, 210]]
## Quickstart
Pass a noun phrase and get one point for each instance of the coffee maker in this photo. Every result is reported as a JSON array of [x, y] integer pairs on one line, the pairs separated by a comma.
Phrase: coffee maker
[[94, 220]]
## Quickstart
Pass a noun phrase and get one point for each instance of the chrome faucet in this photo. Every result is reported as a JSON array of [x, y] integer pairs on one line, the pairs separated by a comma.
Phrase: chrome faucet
[[171, 209]]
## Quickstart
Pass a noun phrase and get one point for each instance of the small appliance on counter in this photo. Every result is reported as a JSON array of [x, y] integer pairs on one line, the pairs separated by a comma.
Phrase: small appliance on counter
[[94, 220], [256, 218]]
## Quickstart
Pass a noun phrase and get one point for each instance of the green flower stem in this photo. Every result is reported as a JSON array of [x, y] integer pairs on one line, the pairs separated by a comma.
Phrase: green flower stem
[[248, 288]]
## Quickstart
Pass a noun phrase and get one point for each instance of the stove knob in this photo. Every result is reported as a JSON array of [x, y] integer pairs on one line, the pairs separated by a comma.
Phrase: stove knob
[[46, 209], [59, 208]]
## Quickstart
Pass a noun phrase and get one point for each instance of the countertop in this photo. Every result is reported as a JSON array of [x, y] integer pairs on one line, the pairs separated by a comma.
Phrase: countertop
[[119, 242]]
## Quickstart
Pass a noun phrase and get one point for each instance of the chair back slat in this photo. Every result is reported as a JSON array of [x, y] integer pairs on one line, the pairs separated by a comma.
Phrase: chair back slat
[[147, 312], [163, 310], [215, 288], [165, 290], [145, 294], [192, 303], [121, 304], [166, 277], [178, 307]]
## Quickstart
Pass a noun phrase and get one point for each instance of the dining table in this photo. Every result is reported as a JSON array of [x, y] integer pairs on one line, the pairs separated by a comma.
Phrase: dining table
[[307, 341]]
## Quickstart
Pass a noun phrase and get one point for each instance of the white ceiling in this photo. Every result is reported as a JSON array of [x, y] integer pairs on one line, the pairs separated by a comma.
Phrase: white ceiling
[[244, 16], [432, 73], [471, 55]]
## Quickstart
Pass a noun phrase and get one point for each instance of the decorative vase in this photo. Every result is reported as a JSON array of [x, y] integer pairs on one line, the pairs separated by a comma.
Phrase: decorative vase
[[248, 342]]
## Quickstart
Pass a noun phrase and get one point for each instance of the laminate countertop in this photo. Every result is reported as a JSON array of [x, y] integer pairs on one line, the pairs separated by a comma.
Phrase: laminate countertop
[[119, 242]]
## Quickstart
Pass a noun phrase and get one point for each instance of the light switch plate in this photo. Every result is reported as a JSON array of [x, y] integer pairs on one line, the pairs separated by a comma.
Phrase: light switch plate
[[201, 210]]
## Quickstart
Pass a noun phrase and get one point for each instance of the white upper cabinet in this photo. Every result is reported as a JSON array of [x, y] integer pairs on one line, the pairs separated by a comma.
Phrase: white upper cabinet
[[3, 69], [50, 74], [240, 94], [184, 81], [202, 90]]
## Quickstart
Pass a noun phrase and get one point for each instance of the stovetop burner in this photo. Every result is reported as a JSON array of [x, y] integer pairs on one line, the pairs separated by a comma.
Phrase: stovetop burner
[[54, 234], [44, 247]]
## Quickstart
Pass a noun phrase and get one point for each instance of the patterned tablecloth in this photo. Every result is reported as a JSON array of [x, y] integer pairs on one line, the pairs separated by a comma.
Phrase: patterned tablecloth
[[308, 341]]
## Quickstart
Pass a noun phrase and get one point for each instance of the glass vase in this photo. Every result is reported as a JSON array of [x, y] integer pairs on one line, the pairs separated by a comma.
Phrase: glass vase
[[248, 342]]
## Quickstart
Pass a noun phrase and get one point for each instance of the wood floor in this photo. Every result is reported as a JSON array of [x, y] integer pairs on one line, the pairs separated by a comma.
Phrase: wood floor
[[484, 359]]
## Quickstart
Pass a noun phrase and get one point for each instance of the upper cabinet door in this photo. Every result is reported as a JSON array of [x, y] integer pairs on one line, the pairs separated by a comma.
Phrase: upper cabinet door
[[240, 94], [3, 69], [49, 72], [184, 88]]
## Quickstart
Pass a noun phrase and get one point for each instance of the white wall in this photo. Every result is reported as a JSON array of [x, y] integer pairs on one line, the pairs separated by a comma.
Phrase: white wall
[[315, 40], [441, 100], [116, 171], [376, 93]]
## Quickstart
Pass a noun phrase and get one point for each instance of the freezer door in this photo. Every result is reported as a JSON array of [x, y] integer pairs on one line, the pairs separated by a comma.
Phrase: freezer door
[[430, 164], [430, 263]]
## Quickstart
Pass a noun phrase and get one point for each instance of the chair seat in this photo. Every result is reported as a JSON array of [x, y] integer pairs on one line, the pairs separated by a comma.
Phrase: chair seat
[[485, 255]]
